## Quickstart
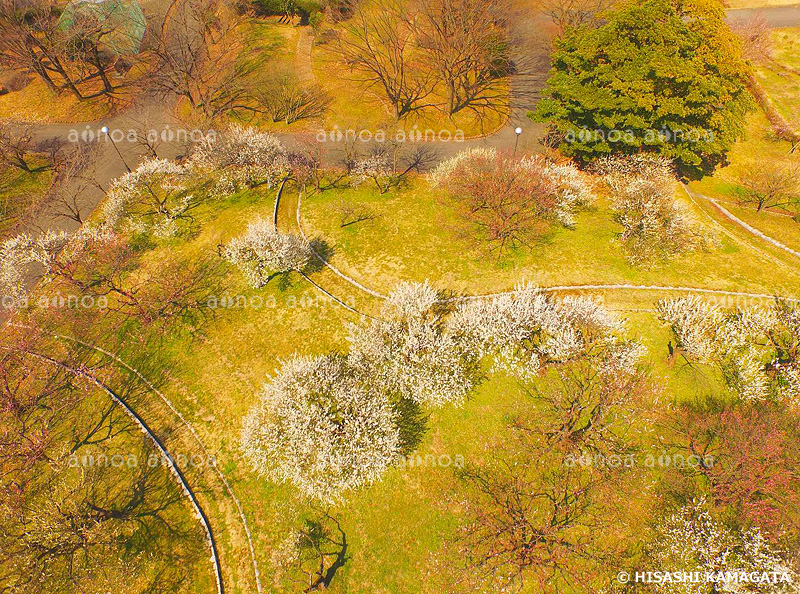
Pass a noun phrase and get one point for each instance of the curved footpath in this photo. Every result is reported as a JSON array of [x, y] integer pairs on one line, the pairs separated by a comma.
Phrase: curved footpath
[[174, 469], [162, 447], [553, 288], [747, 227]]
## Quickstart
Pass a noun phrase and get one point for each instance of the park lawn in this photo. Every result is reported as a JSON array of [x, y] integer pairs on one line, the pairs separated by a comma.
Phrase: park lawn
[[786, 46], [396, 528], [758, 146], [413, 237], [780, 227], [266, 46], [357, 106], [780, 76], [35, 103], [20, 191]]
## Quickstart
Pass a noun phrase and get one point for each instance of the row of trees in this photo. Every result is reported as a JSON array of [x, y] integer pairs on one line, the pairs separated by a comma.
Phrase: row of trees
[[333, 423], [97, 51], [409, 50]]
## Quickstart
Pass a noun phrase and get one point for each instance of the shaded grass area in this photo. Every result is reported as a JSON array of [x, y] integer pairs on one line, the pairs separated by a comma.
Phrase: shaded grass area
[[100, 458], [20, 191]]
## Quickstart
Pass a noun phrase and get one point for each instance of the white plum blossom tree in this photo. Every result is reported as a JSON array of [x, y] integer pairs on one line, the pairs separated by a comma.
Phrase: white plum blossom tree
[[617, 170], [755, 348], [571, 188], [51, 253], [242, 157], [332, 423], [692, 540], [153, 197], [409, 354], [19, 254], [263, 252], [320, 428], [376, 168], [526, 330], [656, 227], [443, 172]]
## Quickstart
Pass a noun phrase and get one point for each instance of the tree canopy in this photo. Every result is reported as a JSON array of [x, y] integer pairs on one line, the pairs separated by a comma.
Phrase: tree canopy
[[664, 76]]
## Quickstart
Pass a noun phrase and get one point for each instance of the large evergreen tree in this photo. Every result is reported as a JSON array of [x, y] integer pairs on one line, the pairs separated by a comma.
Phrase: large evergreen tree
[[663, 76]]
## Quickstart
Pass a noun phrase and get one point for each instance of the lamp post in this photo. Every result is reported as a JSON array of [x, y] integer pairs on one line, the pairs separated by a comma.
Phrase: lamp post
[[517, 131], [104, 130]]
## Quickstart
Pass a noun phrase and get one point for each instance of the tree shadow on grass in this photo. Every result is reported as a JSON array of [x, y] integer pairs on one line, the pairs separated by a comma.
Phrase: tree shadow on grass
[[323, 250], [412, 423]]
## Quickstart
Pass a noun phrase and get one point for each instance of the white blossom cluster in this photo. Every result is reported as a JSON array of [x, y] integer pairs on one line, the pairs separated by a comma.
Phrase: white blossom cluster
[[527, 329], [618, 170], [410, 354], [243, 157], [418, 354], [569, 186], [442, 173], [756, 348], [691, 540], [321, 428], [655, 225], [152, 197], [262, 251], [376, 167], [19, 253], [48, 250]]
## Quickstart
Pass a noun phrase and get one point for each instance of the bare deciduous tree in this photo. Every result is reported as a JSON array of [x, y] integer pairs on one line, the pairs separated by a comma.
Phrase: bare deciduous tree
[[533, 521], [467, 49], [573, 13], [770, 184], [379, 43], [71, 58], [283, 98], [16, 146], [312, 554], [193, 61]]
